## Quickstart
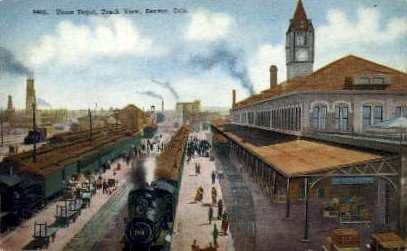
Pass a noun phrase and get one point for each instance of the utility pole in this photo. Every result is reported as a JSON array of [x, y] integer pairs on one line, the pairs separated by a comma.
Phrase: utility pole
[[116, 115], [1, 127], [36, 136], [90, 126]]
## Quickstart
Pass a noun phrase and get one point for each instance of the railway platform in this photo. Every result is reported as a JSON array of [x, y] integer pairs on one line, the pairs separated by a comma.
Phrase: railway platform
[[191, 220], [21, 237]]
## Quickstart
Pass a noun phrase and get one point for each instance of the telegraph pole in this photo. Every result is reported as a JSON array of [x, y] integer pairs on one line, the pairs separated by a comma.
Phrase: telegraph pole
[[1, 127], [90, 126], [36, 136]]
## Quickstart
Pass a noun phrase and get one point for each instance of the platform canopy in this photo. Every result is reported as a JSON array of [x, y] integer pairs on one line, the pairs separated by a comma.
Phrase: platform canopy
[[291, 156]]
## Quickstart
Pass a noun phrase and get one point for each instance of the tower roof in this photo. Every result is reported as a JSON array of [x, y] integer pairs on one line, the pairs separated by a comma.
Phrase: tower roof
[[299, 22]]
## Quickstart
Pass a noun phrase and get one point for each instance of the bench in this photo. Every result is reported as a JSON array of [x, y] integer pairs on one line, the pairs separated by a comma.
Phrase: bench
[[43, 233]]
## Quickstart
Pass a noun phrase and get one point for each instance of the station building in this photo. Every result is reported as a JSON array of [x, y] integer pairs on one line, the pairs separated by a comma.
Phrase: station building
[[307, 141]]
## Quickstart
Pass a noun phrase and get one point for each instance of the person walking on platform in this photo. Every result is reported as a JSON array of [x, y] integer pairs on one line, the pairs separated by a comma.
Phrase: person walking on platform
[[210, 215], [195, 246], [104, 186], [225, 223], [214, 195], [215, 234], [220, 209], [213, 176], [199, 194]]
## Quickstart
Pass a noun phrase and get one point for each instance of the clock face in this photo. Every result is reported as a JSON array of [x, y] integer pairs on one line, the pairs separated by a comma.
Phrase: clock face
[[302, 55]]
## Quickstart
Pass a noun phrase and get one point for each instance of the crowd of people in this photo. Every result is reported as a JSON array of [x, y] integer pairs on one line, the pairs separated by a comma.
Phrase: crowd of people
[[149, 145], [201, 148], [197, 147]]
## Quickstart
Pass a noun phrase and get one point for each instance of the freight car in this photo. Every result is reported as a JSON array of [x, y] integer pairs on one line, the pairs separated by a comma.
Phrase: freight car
[[151, 211], [36, 136]]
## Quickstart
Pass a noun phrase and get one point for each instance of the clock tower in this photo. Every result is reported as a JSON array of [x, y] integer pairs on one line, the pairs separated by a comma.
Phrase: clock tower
[[299, 44]]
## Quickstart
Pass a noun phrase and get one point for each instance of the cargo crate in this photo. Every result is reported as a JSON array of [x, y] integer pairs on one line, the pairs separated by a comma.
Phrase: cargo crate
[[346, 237]]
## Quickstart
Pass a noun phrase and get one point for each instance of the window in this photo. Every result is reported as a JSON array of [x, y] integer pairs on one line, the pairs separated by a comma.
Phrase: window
[[321, 192], [301, 193], [250, 116], [318, 117], [398, 112], [401, 112], [314, 117], [322, 118], [363, 81], [378, 114], [366, 116], [378, 80], [341, 118], [300, 40]]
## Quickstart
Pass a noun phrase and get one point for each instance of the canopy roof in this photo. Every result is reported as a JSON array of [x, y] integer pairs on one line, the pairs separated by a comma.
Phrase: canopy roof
[[290, 156]]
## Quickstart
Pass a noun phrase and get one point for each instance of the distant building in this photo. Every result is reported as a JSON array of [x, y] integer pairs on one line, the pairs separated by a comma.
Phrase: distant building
[[189, 111], [132, 117]]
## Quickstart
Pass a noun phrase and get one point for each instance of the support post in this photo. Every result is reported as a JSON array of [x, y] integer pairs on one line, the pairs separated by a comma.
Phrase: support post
[[274, 182], [306, 208], [402, 204], [287, 215]]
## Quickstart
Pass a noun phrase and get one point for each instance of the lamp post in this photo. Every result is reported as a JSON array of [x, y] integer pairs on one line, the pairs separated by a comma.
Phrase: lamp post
[[90, 126]]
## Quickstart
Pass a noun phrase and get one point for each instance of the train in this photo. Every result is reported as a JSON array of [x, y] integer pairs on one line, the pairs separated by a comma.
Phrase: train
[[152, 207], [36, 136], [151, 211]]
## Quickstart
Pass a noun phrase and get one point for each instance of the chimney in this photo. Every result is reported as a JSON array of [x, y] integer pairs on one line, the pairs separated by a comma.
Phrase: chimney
[[10, 103], [233, 97], [162, 105], [273, 76], [30, 95]]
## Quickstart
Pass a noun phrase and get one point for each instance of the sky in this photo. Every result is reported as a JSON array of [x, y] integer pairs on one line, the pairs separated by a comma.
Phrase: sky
[[202, 52]]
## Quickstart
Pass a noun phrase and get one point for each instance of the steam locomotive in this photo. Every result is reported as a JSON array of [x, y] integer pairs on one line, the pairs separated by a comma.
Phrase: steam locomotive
[[151, 211], [36, 136]]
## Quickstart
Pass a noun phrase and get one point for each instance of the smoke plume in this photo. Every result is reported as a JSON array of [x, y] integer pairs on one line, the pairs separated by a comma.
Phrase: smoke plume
[[226, 58], [41, 103], [10, 64], [151, 94], [168, 86]]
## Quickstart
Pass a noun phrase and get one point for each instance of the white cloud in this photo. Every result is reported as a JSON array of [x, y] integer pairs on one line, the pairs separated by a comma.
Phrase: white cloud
[[362, 36], [206, 25], [79, 44], [259, 65]]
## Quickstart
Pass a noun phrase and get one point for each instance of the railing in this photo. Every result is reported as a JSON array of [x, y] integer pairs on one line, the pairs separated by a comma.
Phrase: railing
[[391, 138]]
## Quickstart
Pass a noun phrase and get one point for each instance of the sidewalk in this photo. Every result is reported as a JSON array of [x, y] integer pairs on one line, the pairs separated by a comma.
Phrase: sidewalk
[[191, 220], [21, 236]]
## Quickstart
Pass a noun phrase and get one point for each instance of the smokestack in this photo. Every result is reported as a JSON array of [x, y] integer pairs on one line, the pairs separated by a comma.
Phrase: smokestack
[[162, 105], [233, 97], [10, 103], [30, 95], [273, 76]]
